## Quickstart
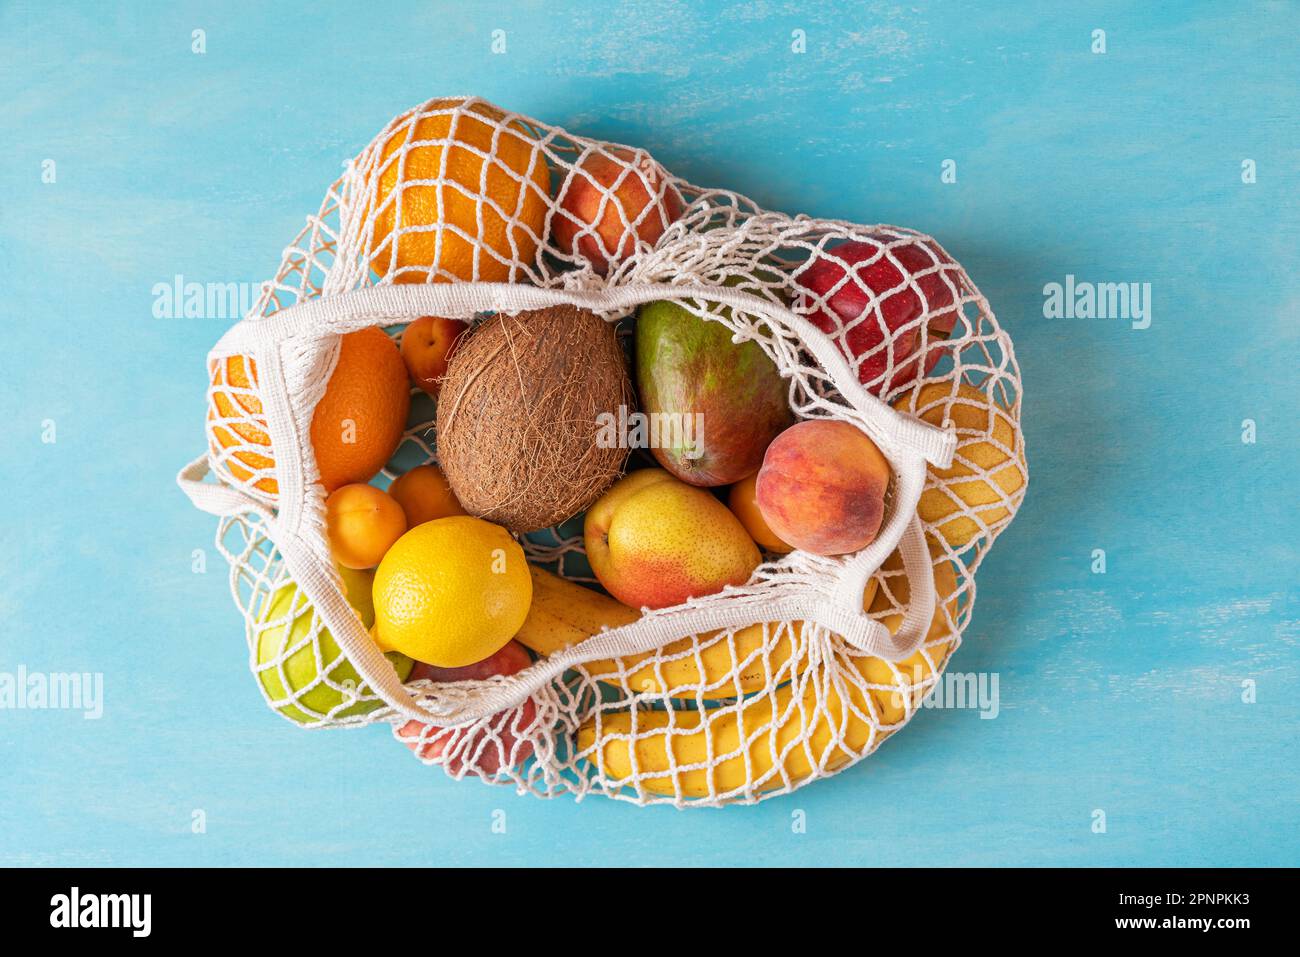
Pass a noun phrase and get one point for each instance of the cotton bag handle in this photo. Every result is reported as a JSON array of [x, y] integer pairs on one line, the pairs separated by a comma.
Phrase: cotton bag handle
[[907, 443]]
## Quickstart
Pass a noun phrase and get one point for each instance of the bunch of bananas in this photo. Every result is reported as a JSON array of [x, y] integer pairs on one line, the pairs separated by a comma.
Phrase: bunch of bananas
[[815, 716]]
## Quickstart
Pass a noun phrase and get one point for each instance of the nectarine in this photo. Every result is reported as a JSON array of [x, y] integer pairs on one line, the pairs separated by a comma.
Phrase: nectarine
[[613, 198]]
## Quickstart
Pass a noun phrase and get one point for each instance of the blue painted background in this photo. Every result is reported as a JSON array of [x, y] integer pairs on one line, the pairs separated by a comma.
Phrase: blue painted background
[[1120, 692]]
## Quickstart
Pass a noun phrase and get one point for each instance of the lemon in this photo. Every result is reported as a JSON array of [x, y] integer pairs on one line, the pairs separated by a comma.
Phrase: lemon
[[289, 667], [451, 592], [987, 470]]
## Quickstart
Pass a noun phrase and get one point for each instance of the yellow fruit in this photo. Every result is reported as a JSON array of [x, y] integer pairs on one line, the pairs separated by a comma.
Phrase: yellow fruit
[[424, 495], [712, 666], [743, 501], [987, 470], [358, 586], [362, 523], [563, 614], [654, 541], [761, 729], [753, 739], [484, 213], [451, 592], [937, 645]]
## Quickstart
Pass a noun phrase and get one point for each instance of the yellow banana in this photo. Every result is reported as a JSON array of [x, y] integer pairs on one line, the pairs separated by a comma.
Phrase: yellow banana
[[767, 741], [937, 644], [711, 667], [563, 614], [761, 728]]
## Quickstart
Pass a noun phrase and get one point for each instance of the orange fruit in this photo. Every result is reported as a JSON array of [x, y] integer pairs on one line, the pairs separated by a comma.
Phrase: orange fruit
[[424, 495], [362, 523], [237, 436], [427, 347], [360, 419], [603, 223], [483, 215], [355, 429], [744, 503]]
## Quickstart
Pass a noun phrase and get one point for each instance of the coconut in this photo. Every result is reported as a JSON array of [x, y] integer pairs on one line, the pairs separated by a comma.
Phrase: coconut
[[520, 413]]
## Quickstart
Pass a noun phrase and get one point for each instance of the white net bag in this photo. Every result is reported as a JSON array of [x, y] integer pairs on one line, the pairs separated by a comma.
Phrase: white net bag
[[463, 210]]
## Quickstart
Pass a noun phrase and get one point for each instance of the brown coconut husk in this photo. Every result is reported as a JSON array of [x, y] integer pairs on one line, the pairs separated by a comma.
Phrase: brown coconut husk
[[517, 416]]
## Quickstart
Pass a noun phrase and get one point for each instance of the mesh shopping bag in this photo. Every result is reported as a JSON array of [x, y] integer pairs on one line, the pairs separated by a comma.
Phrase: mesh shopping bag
[[464, 210]]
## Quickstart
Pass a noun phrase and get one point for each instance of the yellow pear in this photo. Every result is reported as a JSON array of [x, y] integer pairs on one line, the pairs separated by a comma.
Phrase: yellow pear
[[654, 541]]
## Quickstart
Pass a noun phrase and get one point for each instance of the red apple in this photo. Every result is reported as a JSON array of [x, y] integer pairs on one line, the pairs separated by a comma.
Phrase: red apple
[[511, 658], [611, 199], [857, 295], [427, 346], [484, 746]]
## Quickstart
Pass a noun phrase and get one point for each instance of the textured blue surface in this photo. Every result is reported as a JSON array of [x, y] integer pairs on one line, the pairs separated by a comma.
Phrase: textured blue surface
[[1120, 692]]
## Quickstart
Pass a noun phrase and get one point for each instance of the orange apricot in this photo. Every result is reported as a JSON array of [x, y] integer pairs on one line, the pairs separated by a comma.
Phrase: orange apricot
[[362, 522], [427, 347], [424, 495], [743, 501]]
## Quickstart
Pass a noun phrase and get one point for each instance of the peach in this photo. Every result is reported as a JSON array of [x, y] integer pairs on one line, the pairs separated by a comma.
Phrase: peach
[[654, 541], [743, 502], [611, 200], [362, 522], [424, 495], [485, 746], [427, 346], [822, 487], [511, 657]]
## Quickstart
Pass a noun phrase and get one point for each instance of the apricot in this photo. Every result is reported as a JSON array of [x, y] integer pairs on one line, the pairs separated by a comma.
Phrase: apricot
[[362, 522], [822, 487], [424, 495], [743, 502], [427, 347]]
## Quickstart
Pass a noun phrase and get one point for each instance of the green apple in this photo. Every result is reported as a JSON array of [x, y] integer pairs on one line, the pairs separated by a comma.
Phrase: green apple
[[291, 677]]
